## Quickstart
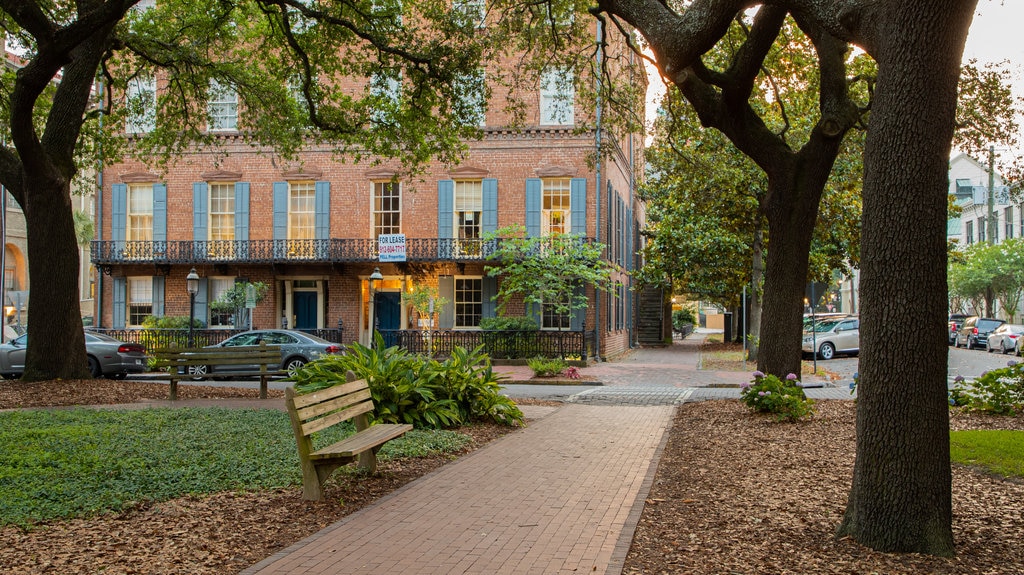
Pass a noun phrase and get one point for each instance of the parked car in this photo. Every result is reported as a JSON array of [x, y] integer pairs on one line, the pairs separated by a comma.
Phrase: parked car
[[974, 332], [107, 357], [820, 317], [1004, 338], [955, 321], [832, 336], [297, 349]]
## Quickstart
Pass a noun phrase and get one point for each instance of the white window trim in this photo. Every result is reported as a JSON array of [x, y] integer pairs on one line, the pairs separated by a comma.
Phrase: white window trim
[[226, 97], [141, 94], [454, 302], [557, 98], [373, 206]]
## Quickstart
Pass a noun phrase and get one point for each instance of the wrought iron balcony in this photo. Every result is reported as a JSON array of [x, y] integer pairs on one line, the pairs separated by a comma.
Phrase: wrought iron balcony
[[188, 252]]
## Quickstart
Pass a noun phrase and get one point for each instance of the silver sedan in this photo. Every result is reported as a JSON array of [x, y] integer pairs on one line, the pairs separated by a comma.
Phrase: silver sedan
[[107, 356], [1005, 338]]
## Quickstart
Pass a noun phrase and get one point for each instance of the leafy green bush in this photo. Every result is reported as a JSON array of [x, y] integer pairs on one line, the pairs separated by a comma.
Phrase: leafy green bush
[[508, 323], [543, 367], [81, 462], [414, 389], [1000, 391], [681, 318], [509, 337], [769, 394]]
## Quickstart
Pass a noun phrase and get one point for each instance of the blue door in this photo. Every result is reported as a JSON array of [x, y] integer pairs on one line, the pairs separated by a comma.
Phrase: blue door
[[388, 313], [304, 306]]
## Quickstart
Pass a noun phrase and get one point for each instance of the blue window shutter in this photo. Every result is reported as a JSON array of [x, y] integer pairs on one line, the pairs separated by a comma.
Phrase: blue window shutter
[[323, 210], [445, 216], [490, 205], [158, 296], [201, 301], [280, 210], [200, 211], [159, 212], [119, 212], [533, 204], [578, 206], [120, 303], [490, 291], [242, 211], [446, 289], [578, 315]]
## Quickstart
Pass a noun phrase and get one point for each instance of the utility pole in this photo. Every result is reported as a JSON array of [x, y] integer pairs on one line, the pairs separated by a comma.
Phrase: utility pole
[[993, 227]]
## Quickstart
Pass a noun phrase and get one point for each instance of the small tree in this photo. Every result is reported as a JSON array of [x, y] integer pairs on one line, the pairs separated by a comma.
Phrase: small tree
[[547, 270], [234, 300], [426, 302]]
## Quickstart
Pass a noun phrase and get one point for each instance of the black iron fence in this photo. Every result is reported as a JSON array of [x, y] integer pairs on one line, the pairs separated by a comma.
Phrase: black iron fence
[[501, 345], [186, 252]]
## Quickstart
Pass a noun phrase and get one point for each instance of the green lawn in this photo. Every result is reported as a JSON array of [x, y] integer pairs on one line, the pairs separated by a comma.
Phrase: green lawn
[[62, 464], [1000, 451]]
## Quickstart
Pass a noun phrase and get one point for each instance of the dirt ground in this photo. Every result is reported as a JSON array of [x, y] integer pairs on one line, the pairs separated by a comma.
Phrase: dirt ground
[[734, 493]]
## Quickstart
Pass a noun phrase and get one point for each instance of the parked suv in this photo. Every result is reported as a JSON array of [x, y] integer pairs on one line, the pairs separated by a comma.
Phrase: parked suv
[[974, 332], [956, 320], [832, 336]]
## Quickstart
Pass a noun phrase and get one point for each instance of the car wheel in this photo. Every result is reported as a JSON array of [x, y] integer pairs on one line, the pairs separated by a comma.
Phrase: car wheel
[[94, 367], [293, 364], [198, 372], [988, 348], [826, 351], [1002, 348]]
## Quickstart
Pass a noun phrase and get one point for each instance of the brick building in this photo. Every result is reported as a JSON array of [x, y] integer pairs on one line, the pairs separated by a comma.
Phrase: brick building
[[309, 228]]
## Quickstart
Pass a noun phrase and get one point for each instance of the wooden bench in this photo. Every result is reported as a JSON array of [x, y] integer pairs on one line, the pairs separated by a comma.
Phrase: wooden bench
[[179, 360], [320, 410]]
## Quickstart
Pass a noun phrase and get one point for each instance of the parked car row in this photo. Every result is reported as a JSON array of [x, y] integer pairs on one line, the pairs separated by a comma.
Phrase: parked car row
[[990, 334]]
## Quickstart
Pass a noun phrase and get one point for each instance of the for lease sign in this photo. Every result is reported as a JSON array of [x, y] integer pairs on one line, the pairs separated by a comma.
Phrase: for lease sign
[[391, 247]]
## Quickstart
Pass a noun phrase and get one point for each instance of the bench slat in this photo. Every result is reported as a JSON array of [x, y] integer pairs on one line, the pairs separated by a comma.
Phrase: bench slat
[[325, 407], [362, 441], [336, 417], [305, 400]]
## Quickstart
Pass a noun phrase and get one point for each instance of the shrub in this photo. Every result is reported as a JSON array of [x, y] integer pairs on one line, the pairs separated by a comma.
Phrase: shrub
[[784, 399], [547, 367], [1000, 391], [509, 337], [682, 317], [509, 323]]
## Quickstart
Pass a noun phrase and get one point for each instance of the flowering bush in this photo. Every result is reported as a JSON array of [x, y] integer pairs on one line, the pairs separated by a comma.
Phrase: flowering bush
[[783, 398], [1000, 391], [572, 373]]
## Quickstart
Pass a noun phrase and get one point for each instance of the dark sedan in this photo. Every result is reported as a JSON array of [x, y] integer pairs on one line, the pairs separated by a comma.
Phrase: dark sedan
[[297, 349], [106, 356]]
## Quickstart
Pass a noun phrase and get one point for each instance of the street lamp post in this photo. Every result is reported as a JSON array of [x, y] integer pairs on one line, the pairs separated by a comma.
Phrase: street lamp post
[[192, 285], [374, 278]]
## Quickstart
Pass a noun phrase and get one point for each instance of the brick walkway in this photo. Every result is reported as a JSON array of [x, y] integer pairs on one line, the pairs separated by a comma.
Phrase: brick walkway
[[562, 496]]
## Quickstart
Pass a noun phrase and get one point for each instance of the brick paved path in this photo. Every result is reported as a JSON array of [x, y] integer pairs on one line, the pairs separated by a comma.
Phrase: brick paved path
[[562, 496]]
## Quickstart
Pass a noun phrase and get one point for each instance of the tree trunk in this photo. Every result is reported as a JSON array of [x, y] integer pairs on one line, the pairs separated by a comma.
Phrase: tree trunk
[[901, 496], [756, 286], [56, 337]]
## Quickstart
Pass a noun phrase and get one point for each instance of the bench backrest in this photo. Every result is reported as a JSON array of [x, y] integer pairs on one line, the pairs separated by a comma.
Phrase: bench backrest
[[321, 409], [268, 356]]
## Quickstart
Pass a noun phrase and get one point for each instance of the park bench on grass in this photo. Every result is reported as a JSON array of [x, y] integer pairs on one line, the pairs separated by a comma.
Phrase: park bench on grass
[[178, 360], [320, 410]]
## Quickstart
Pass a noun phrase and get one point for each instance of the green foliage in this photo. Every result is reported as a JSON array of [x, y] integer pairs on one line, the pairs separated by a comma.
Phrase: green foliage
[[550, 270], [509, 323], [417, 390], [233, 299], [543, 367], [769, 394], [989, 268], [425, 301], [682, 317], [1000, 391], [170, 331], [509, 337], [996, 451], [83, 462]]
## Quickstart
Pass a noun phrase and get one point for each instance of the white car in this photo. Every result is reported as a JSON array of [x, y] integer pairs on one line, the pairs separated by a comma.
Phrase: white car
[[1005, 338], [832, 336]]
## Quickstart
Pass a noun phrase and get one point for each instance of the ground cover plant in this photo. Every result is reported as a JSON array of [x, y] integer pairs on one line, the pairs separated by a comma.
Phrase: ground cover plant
[[996, 451], [82, 462]]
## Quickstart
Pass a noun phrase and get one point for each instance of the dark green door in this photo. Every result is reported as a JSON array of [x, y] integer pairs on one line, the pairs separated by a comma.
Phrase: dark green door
[[304, 305]]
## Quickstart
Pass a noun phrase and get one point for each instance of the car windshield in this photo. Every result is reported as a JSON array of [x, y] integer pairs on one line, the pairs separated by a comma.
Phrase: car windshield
[[988, 323]]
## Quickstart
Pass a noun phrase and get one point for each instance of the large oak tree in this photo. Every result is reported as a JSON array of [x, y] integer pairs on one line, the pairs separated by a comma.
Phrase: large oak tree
[[900, 499]]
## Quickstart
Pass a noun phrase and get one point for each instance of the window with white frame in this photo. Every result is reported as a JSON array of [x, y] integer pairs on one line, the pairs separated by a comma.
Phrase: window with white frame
[[215, 289], [301, 211], [469, 102], [554, 216], [1008, 214], [222, 220], [557, 96], [469, 205], [470, 12], [969, 232], [551, 318], [386, 87], [140, 300], [141, 102], [223, 107], [469, 298], [140, 213], [387, 208]]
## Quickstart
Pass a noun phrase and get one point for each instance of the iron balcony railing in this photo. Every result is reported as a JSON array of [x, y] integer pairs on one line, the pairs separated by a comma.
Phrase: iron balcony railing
[[192, 252]]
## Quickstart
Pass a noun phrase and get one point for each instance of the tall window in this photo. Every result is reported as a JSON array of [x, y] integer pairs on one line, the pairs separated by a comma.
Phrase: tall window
[[1008, 213], [470, 97], [140, 300], [223, 107], [470, 12], [387, 208], [981, 229], [969, 232], [386, 87], [217, 287], [469, 298], [222, 220], [469, 205], [301, 211], [557, 95], [141, 101], [140, 213], [554, 216], [552, 319]]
